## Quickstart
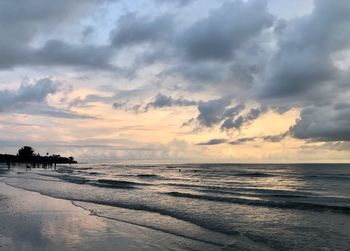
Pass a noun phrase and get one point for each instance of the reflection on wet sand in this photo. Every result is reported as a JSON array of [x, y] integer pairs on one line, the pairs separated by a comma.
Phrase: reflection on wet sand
[[30, 221], [34, 222]]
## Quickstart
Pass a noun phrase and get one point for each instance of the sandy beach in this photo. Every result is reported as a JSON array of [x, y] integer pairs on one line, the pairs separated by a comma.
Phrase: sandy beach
[[31, 221]]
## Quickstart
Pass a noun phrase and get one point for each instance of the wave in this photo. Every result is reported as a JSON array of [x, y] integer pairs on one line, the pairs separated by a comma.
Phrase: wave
[[117, 183], [70, 178], [330, 177], [77, 168], [233, 190], [65, 170], [207, 224], [114, 183], [31, 178], [253, 174], [89, 173], [168, 231], [148, 176], [204, 222], [266, 203], [107, 183], [281, 195], [94, 173], [3, 171], [180, 215]]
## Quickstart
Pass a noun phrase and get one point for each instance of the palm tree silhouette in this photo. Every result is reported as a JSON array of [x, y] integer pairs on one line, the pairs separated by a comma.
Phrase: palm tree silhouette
[[25, 152]]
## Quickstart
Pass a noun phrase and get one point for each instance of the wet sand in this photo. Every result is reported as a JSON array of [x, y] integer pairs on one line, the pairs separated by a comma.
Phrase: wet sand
[[31, 221]]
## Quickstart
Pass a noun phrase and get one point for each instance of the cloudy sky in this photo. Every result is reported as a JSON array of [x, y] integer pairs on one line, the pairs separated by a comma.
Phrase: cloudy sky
[[177, 80]]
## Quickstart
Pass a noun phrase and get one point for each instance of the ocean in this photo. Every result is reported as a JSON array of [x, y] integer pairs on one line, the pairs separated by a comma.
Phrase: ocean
[[227, 206]]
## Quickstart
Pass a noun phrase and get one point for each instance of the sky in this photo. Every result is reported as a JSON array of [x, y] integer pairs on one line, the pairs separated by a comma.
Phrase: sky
[[177, 80]]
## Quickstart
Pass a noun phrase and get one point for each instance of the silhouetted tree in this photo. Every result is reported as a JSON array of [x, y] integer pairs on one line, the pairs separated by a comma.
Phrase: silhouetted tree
[[26, 155], [26, 152]]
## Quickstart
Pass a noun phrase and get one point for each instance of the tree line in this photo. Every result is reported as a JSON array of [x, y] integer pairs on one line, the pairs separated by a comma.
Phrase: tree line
[[26, 155]]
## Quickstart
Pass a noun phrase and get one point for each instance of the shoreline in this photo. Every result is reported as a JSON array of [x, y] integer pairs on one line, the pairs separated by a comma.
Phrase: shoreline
[[163, 209], [32, 221]]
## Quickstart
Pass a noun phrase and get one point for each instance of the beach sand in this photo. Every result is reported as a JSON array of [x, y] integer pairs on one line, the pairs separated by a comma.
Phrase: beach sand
[[31, 221]]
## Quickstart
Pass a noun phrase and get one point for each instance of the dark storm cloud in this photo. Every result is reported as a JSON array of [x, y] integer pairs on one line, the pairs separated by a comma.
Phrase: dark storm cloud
[[30, 98], [242, 140], [303, 61], [237, 50], [253, 114], [225, 30], [21, 23], [276, 138], [231, 123], [27, 93], [233, 76], [211, 112], [268, 138], [233, 111], [61, 53], [230, 115], [200, 72], [161, 101], [218, 111], [56, 52], [327, 123], [213, 142], [133, 30], [239, 141], [303, 72], [214, 37], [222, 51], [23, 20], [12, 55]]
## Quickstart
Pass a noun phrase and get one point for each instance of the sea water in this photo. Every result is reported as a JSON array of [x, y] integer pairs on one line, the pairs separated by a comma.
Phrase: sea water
[[230, 206]]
